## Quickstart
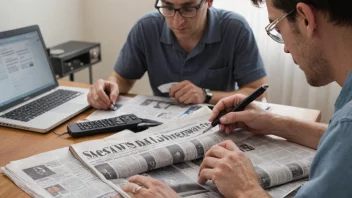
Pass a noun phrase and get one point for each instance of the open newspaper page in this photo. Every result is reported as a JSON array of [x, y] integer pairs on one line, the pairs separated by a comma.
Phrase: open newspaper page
[[276, 161], [56, 174], [149, 107]]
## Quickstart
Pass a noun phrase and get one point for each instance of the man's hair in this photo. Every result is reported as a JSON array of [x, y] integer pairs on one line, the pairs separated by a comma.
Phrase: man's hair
[[337, 11]]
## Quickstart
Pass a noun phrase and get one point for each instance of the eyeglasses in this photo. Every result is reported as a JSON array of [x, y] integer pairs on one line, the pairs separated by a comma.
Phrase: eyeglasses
[[186, 12], [272, 31]]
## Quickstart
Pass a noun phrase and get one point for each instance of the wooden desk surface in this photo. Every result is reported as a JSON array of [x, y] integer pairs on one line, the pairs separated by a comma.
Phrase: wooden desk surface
[[16, 144]]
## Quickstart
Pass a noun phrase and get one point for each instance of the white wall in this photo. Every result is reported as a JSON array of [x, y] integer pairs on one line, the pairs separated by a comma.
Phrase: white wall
[[59, 20], [109, 22]]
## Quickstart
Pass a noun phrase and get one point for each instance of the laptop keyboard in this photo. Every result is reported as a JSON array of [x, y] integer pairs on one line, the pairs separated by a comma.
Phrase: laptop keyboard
[[41, 105]]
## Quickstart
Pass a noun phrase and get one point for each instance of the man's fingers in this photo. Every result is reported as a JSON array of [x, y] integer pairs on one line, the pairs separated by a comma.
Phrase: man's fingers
[[128, 188], [216, 110], [233, 117], [229, 145], [103, 95], [142, 180], [242, 125], [172, 90], [93, 93], [229, 128], [101, 105], [94, 100], [182, 94], [226, 104], [208, 162], [114, 92], [99, 91], [187, 97], [90, 97], [205, 175], [176, 87], [189, 101], [221, 127], [216, 152]]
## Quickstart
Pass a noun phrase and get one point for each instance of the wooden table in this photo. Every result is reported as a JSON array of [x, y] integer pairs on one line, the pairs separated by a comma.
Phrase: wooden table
[[16, 144]]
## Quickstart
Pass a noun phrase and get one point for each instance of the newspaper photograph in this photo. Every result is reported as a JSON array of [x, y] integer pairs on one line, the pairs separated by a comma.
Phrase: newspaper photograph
[[57, 174], [160, 109], [115, 158]]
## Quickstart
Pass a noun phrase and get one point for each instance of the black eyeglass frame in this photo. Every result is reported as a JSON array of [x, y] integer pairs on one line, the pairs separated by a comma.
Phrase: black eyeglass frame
[[273, 25], [179, 10]]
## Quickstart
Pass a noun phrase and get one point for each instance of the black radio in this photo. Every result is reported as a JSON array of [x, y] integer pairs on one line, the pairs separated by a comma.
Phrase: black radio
[[73, 56]]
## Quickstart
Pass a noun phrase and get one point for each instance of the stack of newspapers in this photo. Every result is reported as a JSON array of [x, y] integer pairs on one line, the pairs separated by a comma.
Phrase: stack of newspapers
[[171, 152]]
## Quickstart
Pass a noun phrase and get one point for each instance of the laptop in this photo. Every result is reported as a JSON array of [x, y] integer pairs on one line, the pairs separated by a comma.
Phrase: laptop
[[30, 97]]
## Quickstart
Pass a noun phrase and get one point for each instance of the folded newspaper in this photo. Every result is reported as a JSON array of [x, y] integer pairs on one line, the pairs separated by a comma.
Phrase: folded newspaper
[[171, 152], [156, 108], [160, 109]]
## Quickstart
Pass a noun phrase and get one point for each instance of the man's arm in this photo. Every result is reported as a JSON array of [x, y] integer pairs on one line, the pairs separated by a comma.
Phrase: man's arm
[[244, 90], [124, 84], [262, 122], [299, 131], [331, 175]]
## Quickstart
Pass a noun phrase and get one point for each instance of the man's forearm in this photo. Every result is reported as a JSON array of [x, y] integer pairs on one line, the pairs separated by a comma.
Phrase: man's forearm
[[124, 84], [258, 192], [299, 131]]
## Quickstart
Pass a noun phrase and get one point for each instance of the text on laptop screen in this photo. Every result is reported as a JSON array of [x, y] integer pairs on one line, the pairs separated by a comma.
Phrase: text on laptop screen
[[24, 67]]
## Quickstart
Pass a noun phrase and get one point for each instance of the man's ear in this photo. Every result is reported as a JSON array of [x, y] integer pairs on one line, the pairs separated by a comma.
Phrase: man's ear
[[306, 18], [210, 3]]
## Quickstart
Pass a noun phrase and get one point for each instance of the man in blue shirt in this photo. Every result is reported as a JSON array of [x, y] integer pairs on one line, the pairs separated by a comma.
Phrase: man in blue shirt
[[317, 33], [206, 51]]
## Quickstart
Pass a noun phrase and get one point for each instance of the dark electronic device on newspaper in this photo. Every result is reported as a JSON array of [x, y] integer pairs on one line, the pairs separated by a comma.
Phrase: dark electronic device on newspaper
[[128, 121]]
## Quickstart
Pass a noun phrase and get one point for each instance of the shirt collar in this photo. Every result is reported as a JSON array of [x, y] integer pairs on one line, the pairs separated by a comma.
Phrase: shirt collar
[[212, 33], [346, 93]]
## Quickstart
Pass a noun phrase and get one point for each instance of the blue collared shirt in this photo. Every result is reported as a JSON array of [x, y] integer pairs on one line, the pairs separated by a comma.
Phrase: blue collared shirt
[[226, 54], [331, 170]]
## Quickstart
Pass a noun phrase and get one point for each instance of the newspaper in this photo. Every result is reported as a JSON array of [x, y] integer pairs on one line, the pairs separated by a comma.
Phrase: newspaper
[[172, 153], [149, 107], [56, 174], [152, 107]]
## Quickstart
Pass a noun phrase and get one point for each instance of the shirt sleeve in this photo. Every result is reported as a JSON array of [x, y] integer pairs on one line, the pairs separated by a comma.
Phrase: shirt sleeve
[[331, 173], [131, 63], [249, 66]]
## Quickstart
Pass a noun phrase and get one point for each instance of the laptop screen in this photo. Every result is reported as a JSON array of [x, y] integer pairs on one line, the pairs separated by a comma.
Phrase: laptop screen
[[24, 67]]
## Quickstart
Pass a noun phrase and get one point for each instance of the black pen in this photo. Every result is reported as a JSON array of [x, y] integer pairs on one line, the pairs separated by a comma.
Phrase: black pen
[[112, 106], [241, 106]]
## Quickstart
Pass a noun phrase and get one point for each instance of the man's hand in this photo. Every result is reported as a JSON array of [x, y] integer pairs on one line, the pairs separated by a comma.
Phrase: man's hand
[[231, 171], [103, 94], [187, 93], [253, 118], [151, 188]]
